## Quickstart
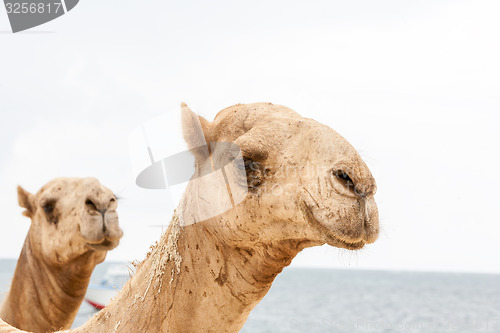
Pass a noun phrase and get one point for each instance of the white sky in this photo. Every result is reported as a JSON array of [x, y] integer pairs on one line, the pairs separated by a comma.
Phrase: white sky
[[414, 86]]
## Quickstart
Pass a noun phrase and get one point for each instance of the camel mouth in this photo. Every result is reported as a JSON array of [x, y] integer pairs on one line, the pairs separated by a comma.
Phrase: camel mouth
[[105, 245], [329, 237]]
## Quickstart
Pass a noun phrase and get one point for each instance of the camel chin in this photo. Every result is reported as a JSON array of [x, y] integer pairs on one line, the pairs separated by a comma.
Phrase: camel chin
[[335, 241], [105, 245]]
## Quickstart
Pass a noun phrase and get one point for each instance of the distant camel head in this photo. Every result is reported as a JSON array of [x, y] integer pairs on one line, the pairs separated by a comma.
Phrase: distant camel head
[[306, 184], [71, 217]]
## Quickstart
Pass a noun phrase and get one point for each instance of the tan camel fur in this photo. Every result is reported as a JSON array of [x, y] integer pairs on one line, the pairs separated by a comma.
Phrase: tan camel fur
[[307, 186], [73, 225]]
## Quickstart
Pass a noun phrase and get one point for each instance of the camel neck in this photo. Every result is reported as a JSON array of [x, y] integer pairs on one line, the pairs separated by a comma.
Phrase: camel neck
[[192, 281], [229, 281], [44, 298]]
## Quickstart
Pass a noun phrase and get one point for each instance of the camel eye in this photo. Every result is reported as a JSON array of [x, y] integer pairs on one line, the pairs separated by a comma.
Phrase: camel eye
[[50, 212], [251, 165], [48, 208], [254, 172]]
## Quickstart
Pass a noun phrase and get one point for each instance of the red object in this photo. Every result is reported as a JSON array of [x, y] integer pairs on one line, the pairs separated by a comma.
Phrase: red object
[[95, 305]]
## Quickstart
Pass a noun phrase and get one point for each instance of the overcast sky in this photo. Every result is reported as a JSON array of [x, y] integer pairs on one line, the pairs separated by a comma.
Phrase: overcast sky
[[413, 85]]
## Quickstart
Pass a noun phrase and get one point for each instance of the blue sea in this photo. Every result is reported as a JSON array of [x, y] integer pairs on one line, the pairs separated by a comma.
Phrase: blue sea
[[349, 301]]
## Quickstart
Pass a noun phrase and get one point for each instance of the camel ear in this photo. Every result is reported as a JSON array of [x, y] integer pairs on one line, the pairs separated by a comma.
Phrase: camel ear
[[26, 200], [195, 130]]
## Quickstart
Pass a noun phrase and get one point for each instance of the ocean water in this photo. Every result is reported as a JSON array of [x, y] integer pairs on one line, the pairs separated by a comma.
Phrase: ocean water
[[349, 301]]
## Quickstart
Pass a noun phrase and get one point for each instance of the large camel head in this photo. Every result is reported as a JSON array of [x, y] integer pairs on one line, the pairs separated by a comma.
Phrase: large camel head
[[306, 184], [71, 217]]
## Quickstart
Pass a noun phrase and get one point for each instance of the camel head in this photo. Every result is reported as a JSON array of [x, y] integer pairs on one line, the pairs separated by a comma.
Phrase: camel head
[[71, 217], [303, 183]]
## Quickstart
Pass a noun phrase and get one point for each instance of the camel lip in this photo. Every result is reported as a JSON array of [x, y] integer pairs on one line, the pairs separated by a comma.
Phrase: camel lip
[[331, 238], [105, 245]]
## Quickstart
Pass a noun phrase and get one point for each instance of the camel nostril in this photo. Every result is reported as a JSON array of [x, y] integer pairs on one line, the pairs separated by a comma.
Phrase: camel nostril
[[344, 178], [90, 204]]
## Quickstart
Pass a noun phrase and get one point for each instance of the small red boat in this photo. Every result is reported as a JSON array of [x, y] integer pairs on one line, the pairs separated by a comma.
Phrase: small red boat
[[99, 295]]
